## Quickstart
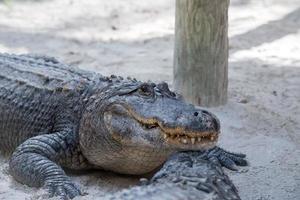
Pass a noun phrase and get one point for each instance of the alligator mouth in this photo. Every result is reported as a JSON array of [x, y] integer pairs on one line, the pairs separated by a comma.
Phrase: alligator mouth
[[177, 135], [203, 138]]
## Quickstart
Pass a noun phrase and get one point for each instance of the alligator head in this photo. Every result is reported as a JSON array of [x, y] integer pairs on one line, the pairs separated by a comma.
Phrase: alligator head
[[132, 127]]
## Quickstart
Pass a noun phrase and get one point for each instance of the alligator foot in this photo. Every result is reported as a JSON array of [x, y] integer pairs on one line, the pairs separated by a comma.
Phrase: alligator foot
[[63, 190], [226, 159]]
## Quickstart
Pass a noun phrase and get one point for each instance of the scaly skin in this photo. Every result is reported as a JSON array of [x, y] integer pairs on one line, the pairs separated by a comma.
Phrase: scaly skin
[[54, 116], [185, 176]]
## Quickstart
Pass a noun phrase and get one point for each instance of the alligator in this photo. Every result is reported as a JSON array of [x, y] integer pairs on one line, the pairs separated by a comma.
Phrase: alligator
[[55, 117]]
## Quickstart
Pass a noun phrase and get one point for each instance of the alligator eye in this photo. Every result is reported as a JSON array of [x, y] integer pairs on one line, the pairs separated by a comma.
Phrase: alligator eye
[[150, 126], [146, 90]]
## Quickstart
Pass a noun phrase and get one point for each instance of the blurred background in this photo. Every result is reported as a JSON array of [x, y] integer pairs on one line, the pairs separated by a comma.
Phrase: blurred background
[[135, 38]]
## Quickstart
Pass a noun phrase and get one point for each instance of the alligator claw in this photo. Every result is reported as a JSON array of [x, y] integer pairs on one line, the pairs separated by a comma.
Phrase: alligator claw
[[227, 159], [63, 190]]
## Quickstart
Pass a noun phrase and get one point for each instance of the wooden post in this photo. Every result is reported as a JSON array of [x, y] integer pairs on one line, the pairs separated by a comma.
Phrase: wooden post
[[201, 51]]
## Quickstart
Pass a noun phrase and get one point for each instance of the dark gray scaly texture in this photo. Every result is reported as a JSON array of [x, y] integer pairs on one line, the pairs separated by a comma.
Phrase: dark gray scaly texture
[[185, 176], [54, 116]]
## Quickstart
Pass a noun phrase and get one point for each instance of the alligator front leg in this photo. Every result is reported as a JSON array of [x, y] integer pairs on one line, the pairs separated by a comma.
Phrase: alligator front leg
[[35, 163], [226, 159]]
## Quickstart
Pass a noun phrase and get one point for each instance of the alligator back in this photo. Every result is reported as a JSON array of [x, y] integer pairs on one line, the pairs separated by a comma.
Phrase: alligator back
[[33, 90]]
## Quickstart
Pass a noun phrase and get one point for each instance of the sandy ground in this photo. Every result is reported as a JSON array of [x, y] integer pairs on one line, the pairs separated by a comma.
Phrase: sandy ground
[[262, 117]]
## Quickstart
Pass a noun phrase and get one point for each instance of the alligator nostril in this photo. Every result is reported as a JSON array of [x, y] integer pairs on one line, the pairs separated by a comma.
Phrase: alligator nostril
[[196, 114]]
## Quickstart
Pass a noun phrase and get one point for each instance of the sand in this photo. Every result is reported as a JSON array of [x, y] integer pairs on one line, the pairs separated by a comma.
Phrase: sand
[[135, 38]]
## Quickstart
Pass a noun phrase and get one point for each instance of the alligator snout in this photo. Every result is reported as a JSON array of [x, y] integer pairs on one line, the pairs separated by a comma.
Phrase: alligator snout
[[192, 123], [208, 119]]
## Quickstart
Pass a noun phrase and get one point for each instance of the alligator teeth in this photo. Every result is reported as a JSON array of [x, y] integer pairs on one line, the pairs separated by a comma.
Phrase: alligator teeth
[[193, 140], [183, 140]]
